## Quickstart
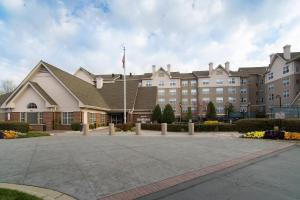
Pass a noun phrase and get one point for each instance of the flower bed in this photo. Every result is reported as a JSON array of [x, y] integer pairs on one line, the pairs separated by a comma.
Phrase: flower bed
[[14, 134], [272, 134]]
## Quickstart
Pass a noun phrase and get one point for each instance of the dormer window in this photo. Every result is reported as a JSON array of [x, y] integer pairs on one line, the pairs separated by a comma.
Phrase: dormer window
[[32, 106], [270, 76], [286, 69]]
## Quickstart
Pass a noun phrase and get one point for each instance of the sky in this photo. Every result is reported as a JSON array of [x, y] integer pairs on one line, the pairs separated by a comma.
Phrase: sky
[[188, 34]]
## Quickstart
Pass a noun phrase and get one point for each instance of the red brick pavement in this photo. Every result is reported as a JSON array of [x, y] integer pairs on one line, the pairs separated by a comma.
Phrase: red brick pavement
[[172, 181]]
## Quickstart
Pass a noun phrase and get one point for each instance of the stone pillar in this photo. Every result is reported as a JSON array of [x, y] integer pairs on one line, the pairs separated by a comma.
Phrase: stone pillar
[[138, 129], [164, 129], [191, 128], [85, 129], [111, 128]]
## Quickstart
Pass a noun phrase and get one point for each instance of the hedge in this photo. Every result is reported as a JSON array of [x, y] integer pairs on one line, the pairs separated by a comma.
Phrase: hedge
[[248, 125], [184, 127], [15, 126], [125, 127], [76, 126]]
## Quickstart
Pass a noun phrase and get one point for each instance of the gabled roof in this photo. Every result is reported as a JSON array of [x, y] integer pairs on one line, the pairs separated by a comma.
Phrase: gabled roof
[[201, 73], [293, 55], [245, 71], [187, 76], [113, 94], [109, 77], [3, 97], [42, 93], [87, 72], [85, 92], [146, 98]]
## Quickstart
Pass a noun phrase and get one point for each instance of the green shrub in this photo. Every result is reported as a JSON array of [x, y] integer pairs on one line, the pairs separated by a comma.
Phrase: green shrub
[[227, 127], [291, 125], [206, 128], [177, 127], [125, 127], [211, 111], [156, 114], [248, 125], [168, 115], [92, 126], [153, 127], [76, 126], [15, 126]]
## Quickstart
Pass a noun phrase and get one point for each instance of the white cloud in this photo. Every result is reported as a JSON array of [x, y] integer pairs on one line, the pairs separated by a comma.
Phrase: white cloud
[[188, 34]]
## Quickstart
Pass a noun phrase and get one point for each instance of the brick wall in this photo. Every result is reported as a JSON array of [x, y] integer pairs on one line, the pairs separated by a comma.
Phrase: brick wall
[[48, 120], [77, 117]]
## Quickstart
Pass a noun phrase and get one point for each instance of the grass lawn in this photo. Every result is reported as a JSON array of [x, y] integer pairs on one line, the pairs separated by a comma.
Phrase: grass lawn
[[7, 194], [34, 134]]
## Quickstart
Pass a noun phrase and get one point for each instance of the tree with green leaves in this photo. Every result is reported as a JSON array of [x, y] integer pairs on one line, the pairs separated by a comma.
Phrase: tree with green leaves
[[211, 111], [189, 114], [168, 114], [229, 108], [156, 114]]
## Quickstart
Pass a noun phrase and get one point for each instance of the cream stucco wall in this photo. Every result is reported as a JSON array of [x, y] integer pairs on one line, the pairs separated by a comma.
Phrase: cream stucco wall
[[277, 70], [27, 96], [66, 102]]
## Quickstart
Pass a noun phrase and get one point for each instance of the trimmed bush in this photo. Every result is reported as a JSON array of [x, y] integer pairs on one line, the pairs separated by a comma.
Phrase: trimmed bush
[[206, 128], [92, 126], [125, 127], [156, 114], [15, 126], [292, 125], [227, 127], [168, 115], [76, 126], [177, 127], [153, 127]]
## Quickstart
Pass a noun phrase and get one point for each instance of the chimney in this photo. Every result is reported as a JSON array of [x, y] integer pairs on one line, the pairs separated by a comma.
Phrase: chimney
[[99, 82], [211, 67], [130, 74], [112, 75], [169, 68], [227, 64], [153, 69], [287, 52]]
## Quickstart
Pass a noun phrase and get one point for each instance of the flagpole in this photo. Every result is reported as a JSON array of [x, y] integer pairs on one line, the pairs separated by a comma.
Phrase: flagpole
[[125, 121]]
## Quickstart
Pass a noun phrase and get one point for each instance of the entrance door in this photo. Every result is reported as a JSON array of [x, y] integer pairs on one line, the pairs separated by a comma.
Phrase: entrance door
[[32, 118], [116, 118]]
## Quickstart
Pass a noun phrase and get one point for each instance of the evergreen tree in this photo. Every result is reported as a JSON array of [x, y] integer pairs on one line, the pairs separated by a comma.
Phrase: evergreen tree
[[211, 111], [189, 115], [168, 114], [229, 109], [156, 114]]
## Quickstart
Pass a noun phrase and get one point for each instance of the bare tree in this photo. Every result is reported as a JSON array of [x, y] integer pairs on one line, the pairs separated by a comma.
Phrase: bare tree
[[7, 86]]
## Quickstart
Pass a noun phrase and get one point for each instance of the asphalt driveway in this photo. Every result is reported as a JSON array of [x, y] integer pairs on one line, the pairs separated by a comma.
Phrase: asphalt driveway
[[90, 167]]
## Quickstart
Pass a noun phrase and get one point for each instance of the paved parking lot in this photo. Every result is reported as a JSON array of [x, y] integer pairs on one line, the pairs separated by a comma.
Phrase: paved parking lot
[[90, 167]]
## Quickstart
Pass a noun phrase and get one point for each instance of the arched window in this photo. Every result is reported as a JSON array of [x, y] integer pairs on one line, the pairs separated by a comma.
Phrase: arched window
[[31, 106]]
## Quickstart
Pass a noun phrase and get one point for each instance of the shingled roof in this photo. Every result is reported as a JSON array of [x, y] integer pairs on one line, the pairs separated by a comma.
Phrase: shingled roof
[[201, 73], [84, 91], [113, 94], [146, 98], [3, 98], [43, 93]]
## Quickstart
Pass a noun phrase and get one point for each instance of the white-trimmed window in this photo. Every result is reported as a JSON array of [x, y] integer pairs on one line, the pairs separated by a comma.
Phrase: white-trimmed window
[[172, 92], [219, 81], [206, 99], [220, 109], [173, 83], [184, 83], [270, 76], [219, 99], [41, 118], [286, 93], [231, 90], [232, 99], [194, 101], [161, 92], [161, 83], [184, 109], [243, 81], [92, 118], [161, 100], [232, 81], [148, 83], [219, 90], [184, 101], [67, 118], [22, 117], [172, 101], [184, 92], [193, 91], [244, 91], [205, 82], [193, 83], [271, 97], [205, 90], [271, 87], [32, 106], [286, 81], [286, 69], [243, 100]]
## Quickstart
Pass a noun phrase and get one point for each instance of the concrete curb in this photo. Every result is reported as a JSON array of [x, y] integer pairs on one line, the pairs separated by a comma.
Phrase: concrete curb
[[145, 190], [42, 193]]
